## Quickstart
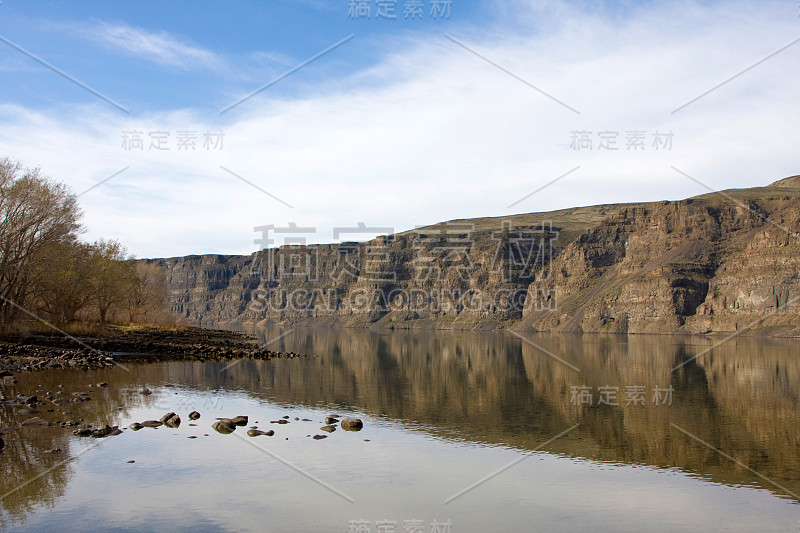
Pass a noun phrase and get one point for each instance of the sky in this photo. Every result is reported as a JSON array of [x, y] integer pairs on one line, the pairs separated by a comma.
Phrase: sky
[[183, 126]]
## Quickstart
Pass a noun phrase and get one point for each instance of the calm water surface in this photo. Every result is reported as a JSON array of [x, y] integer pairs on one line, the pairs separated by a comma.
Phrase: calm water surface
[[466, 431]]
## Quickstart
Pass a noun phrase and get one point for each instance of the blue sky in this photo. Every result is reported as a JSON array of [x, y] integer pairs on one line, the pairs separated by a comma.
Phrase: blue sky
[[160, 56], [406, 122]]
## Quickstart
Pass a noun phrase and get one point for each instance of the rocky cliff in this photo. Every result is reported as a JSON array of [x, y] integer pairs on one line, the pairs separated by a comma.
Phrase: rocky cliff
[[715, 263], [722, 262]]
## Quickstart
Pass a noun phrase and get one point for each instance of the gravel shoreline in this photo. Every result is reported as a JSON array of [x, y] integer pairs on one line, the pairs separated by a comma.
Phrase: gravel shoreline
[[142, 345]]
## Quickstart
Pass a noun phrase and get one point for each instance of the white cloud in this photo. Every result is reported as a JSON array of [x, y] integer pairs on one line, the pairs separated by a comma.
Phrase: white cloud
[[273, 58], [159, 47], [434, 133]]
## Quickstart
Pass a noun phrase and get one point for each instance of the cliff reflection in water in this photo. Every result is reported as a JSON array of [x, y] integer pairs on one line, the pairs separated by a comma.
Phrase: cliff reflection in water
[[488, 388], [741, 397]]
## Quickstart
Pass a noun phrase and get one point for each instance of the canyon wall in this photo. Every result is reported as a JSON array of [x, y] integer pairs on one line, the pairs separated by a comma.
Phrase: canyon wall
[[715, 263], [723, 262]]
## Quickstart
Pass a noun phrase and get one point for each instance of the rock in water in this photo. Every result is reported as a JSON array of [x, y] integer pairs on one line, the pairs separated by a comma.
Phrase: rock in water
[[320, 437], [152, 423], [194, 415], [224, 426], [352, 424], [102, 432], [171, 420], [239, 420], [329, 429], [254, 433], [136, 426], [331, 420], [36, 421]]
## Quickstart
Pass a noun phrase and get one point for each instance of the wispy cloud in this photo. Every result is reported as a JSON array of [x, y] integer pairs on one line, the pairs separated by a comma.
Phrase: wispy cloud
[[429, 132], [157, 46], [272, 58]]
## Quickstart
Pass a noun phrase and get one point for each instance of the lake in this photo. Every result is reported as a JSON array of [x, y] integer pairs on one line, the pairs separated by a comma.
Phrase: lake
[[463, 431]]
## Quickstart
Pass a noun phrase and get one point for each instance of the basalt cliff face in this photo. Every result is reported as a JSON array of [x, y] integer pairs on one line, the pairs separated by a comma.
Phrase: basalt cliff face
[[714, 263], [723, 263]]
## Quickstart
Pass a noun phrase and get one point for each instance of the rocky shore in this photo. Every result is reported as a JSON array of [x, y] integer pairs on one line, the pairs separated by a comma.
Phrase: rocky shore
[[20, 353], [55, 409]]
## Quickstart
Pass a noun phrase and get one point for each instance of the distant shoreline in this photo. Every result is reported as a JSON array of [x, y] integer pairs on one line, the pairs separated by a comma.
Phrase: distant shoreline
[[771, 332], [218, 342], [21, 353]]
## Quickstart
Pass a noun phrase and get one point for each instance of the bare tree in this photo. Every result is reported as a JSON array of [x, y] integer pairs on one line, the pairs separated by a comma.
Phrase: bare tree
[[36, 213], [147, 291], [112, 271], [62, 282]]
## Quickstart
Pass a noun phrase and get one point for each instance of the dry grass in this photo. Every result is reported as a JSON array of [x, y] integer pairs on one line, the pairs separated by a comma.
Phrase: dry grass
[[81, 328], [35, 327], [574, 220], [154, 325]]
